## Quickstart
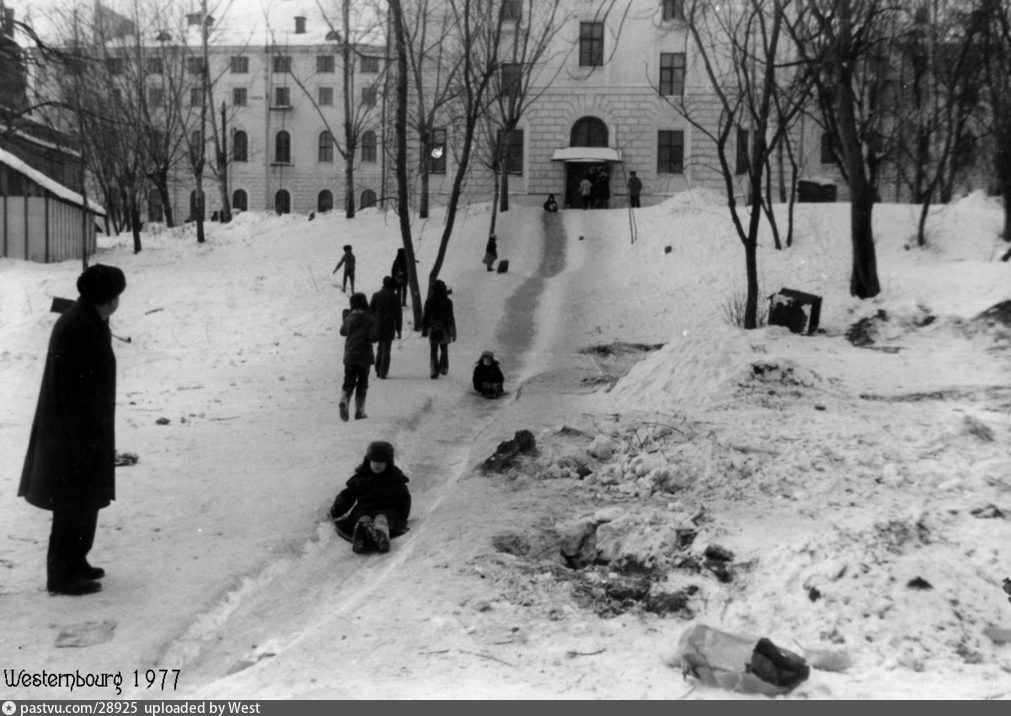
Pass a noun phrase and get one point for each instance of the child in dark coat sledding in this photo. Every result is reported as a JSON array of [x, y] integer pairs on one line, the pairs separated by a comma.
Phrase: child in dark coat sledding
[[375, 504], [488, 377]]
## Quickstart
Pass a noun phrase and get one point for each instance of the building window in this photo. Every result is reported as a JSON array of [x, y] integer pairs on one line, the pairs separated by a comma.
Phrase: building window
[[155, 209], [196, 205], [239, 96], [369, 146], [324, 202], [282, 96], [369, 95], [368, 199], [828, 146], [512, 150], [743, 159], [591, 44], [282, 63], [324, 63], [155, 66], [155, 96], [370, 65], [326, 96], [672, 74], [196, 96], [195, 65], [238, 65], [437, 152], [512, 79], [588, 132], [300, 25], [282, 148], [512, 10], [673, 9], [114, 65], [670, 152], [240, 200], [325, 147], [196, 146], [282, 202], [240, 146]]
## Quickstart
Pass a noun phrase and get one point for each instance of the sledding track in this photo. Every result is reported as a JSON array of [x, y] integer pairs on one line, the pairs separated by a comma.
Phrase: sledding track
[[265, 630]]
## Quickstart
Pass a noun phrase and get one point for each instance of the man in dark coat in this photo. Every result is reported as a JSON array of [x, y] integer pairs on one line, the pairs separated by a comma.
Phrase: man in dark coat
[[634, 190], [375, 504], [70, 465], [438, 324], [386, 310], [359, 327]]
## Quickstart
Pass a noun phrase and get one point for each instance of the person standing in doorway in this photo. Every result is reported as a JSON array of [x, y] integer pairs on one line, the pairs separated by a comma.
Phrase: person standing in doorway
[[438, 324], [586, 191], [359, 327], [348, 262], [387, 312], [71, 460], [550, 205], [634, 190]]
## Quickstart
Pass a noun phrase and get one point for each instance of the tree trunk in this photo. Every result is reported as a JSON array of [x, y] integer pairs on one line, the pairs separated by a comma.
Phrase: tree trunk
[[403, 189], [864, 274], [135, 224]]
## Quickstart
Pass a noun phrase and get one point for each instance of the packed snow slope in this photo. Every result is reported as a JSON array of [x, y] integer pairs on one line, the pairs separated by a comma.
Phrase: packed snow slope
[[860, 477]]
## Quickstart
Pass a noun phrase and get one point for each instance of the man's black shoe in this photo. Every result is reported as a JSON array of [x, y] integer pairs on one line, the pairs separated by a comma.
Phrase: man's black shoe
[[76, 589], [90, 572]]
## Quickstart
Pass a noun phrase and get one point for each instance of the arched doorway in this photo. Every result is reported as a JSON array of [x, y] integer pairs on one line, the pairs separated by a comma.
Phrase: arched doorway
[[282, 202], [324, 202], [368, 199], [586, 131]]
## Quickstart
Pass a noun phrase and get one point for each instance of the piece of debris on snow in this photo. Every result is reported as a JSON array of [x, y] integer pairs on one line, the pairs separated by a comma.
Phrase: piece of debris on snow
[[507, 452]]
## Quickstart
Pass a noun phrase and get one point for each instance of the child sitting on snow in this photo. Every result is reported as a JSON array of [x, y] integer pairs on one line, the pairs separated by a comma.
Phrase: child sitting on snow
[[375, 504], [488, 376]]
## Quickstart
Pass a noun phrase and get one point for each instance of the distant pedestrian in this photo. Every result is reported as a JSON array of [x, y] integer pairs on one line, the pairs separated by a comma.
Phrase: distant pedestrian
[[348, 262], [634, 189], [359, 327], [375, 504], [439, 325], [490, 252], [586, 192], [388, 314], [70, 465], [399, 273], [550, 205], [487, 378]]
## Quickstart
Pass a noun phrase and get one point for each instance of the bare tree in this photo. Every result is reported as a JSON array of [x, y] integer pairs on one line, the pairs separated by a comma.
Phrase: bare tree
[[743, 50], [848, 47], [994, 22]]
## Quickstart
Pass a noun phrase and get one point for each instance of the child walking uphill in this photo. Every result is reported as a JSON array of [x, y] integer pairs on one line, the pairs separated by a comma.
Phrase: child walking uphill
[[375, 504], [439, 324], [348, 262], [360, 328]]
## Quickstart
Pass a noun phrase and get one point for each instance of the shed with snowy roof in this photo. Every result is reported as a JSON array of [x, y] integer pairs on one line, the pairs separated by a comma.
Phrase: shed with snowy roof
[[41, 219]]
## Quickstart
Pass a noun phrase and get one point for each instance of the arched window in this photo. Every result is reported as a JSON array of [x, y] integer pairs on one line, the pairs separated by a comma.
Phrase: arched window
[[282, 202], [240, 200], [369, 146], [588, 132], [325, 147], [324, 202], [196, 205], [368, 199], [240, 146], [155, 210], [282, 148]]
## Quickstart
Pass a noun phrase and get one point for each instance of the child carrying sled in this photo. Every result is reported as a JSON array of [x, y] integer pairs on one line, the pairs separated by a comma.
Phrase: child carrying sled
[[375, 504]]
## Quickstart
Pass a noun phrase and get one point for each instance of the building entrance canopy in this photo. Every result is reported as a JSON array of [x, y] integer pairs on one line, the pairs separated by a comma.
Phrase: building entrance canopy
[[586, 154]]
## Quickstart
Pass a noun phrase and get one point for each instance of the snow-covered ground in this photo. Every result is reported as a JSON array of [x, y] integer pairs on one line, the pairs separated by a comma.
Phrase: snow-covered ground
[[835, 475]]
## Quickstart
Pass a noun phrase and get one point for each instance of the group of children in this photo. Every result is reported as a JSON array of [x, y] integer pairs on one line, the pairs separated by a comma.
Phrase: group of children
[[375, 504]]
